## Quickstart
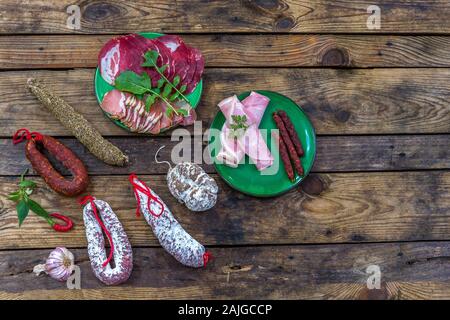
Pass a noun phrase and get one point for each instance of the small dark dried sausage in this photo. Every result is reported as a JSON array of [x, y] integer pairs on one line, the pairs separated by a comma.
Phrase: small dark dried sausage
[[40, 163], [289, 145], [292, 133], [284, 156]]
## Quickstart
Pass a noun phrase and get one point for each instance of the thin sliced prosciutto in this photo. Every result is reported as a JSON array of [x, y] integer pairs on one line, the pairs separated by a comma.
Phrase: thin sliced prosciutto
[[252, 142]]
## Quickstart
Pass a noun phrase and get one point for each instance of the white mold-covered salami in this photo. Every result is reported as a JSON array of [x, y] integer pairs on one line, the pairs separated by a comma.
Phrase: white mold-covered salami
[[171, 235], [191, 185], [120, 246]]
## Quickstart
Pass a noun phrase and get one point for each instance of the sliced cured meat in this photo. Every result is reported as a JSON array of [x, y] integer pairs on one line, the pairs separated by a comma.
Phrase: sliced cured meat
[[126, 53], [114, 104], [252, 142]]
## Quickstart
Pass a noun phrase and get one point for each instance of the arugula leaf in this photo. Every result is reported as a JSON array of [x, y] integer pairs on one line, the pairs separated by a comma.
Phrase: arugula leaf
[[169, 112], [149, 101], [36, 208], [150, 58], [163, 68], [167, 90], [174, 96], [160, 83], [176, 80], [184, 112], [132, 82], [183, 88], [22, 211]]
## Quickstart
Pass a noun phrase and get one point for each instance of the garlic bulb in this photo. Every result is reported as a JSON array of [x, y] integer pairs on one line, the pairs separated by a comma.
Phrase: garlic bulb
[[59, 264]]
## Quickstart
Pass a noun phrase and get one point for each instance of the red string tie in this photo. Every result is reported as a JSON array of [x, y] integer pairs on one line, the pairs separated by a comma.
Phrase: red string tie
[[25, 134], [207, 256], [91, 199], [146, 190]]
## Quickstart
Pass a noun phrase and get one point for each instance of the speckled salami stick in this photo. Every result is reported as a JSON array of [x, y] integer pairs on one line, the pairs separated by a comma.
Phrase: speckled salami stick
[[98, 216], [166, 228]]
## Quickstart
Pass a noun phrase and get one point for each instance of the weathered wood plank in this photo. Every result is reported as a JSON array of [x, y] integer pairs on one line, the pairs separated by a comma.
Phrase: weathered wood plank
[[225, 16], [233, 50], [334, 153], [408, 271], [357, 101], [331, 208]]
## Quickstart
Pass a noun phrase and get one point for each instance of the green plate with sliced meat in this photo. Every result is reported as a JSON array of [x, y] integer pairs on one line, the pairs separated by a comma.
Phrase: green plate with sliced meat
[[272, 181]]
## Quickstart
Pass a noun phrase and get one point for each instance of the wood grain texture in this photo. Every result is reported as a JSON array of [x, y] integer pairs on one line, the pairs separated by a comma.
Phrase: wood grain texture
[[184, 16], [238, 50], [338, 101], [408, 271], [328, 208], [334, 153]]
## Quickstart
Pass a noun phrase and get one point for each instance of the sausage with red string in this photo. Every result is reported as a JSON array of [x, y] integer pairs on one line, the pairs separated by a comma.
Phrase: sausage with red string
[[171, 235], [289, 145], [120, 246], [45, 169], [292, 133]]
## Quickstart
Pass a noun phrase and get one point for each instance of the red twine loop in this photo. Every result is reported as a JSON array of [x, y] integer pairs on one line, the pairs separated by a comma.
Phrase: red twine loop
[[25, 134], [91, 199], [206, 257], [147, 192], [62, 228]]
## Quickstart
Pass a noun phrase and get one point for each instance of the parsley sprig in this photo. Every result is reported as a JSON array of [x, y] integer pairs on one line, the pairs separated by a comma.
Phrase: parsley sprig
[[238, 126]]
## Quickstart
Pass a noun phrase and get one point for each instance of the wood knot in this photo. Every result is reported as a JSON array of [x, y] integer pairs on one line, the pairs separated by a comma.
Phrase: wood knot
[[335, 57], [313, 185], [284, 23], [101, 11], [266, 4]]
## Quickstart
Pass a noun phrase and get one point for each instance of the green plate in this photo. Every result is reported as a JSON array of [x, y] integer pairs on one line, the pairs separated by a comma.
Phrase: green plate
[[246, 178], [102, 87]]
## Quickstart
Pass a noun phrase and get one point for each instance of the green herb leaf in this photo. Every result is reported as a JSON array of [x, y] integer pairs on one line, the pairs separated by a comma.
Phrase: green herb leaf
[[14, 196], [36, 208], [238, 126], [22, 211], [27, 184], [184, 112], [163, 68], [174, 96], [150, 58], [183, 88], [176, 80], [132, 82], [160, 83], [167, 90], [169, 112], [149, 101]]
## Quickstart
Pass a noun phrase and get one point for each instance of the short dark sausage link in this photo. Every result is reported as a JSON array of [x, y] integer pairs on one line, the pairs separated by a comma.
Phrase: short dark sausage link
[[284, 156], [287, 140], [292, 133], [45, 169]]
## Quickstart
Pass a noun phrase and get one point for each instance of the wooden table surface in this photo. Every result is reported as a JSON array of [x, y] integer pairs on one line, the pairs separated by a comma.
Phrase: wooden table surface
[[379, 193]]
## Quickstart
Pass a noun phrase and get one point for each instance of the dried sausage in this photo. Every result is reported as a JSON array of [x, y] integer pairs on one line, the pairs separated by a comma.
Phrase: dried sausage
[[292, 133], [44, 168], [287, 140], [98, 218], [166, 228]]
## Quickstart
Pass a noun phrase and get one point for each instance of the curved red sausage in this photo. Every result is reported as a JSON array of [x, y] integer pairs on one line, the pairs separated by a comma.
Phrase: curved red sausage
[[52, 177]]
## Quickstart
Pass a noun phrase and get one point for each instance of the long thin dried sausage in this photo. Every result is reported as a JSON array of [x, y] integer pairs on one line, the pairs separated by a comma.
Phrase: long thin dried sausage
[[44, 168], [287, 140], [166, 228], [98, 218], [292, 133], [284, 156]]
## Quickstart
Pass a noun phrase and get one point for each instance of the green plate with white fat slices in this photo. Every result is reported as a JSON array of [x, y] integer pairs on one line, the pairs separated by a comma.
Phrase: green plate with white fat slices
[[271, 181], [102, 87]]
